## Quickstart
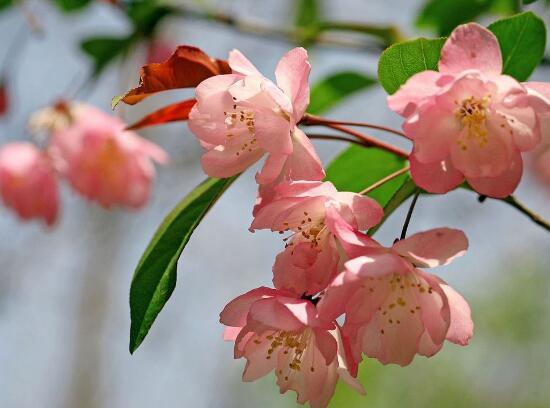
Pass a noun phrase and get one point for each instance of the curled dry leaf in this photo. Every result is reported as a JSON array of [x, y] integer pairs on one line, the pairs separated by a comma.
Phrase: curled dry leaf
[[187, 67], [171, 113]]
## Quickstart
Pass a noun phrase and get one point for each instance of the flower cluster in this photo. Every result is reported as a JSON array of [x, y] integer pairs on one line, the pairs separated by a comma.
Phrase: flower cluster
[[338, 294], [469, 121], [91, 150]]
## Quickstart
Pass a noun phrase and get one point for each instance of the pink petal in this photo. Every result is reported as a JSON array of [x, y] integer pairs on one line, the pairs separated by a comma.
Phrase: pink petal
[[306, 189], [437, 177], [433, 248], [418, 90], [304, 163], [326, 343], [270, 312], [538, 96], [272, 132], [461, 329], [367, 212], [241, 65], [521, 124], [227, 161], [235, 312], [471, 46], [255, 351], [266, 216], [292, 75], [502, 185], [271, 169], [231, 333]]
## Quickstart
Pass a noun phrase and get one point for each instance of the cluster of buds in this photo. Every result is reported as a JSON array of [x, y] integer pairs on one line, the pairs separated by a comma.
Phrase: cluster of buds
[[89, 149], [338, 294]]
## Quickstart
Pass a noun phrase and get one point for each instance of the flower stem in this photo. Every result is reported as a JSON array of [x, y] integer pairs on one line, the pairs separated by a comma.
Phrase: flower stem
[[536, 218], [370, 141], [312, 120], [409, 215], [319, 136], [385, 180]]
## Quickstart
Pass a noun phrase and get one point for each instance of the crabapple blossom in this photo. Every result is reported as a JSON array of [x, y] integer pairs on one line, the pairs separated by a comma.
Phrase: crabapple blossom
[[243, 116], [468, 121], [102, 161], [28, 183], [393, 309], [310, 258], [275, 330]]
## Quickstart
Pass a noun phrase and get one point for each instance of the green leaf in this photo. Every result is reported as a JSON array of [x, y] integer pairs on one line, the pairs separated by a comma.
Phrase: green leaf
[[155, 276], [522, 40], [444, 15], [401, 61], [398, 197], [386, 35], [5, 4], [104, 50], [333, 89], [68, 6], [357, 167], [528, 1]]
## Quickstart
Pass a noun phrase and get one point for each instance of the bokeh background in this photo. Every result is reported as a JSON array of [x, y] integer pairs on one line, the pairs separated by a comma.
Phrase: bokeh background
[[64, 314]]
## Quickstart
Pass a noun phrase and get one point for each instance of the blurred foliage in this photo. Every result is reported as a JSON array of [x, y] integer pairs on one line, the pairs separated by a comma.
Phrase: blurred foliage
[[374, 165], [444, 15], [506, 365], [336, 87], [145, 17], [69, 6]]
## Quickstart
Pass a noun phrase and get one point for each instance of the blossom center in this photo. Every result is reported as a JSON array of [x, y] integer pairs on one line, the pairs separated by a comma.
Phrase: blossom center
[[472, 113], [309, 228], [237, 122]]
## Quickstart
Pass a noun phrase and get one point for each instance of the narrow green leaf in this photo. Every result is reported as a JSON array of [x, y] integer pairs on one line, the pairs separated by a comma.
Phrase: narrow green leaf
[[385, 34], [401, 61], [528, 1], [333, 89], [444, 15], [68, 6], [522, 40], [155, 276], [103, 50], [357, 167], [399, 196]]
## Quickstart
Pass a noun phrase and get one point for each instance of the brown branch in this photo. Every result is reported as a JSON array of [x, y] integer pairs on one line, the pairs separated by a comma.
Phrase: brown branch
[[312, 120]]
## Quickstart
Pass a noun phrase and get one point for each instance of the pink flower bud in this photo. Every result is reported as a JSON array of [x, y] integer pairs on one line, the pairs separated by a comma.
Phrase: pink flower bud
[[28, 183]]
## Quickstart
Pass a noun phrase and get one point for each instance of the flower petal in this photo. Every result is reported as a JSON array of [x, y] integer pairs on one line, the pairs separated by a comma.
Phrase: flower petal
[[292, 75], [437, 177], [502, 185], [241, 65], [461, 329], [235, 312], [304, 163], [471, 46], [415, 92], [436, 247]]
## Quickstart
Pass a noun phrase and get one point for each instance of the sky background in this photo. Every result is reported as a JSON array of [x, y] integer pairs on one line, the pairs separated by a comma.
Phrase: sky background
[[64, 315]]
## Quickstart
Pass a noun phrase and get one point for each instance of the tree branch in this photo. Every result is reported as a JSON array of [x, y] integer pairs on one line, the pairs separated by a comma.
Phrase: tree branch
[[533, 216]]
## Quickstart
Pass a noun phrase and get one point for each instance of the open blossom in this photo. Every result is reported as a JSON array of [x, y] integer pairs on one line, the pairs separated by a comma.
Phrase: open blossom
[[393, 309], [310, 259], [101, 160], [240, 117], [28, 183], [277, 331], [468, 121]]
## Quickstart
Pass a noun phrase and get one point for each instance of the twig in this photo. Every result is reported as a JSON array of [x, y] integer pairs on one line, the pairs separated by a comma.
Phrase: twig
[[387, 35], [536, 218], [340, 138], [385, 180], [409, 215], [312, 120], [370, 140]]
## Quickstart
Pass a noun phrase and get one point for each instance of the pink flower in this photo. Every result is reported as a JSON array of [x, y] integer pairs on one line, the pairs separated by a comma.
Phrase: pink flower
[[28, 183], [540, 157], [274, 330], [243, 116], [102, 161], [393, 309], [310, 259], [468, 121]]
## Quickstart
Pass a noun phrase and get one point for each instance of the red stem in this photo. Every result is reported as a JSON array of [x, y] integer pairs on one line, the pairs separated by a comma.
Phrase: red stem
[[312, 120], [369, 140]]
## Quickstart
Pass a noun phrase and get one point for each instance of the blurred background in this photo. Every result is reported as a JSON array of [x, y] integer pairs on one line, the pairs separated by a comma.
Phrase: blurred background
[[64, 314]]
